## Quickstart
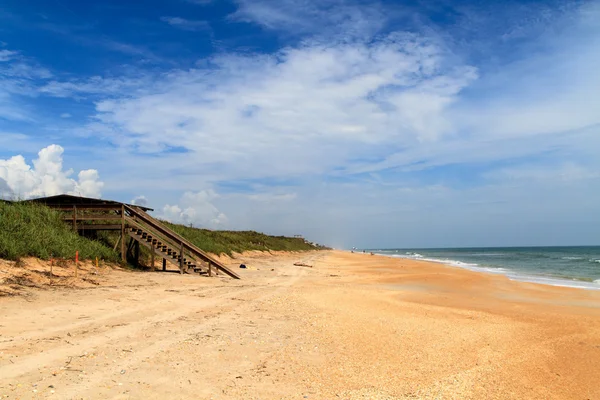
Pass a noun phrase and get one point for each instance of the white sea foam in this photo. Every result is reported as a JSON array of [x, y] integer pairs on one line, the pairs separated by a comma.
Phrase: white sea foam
[[556, 282], [596, 261], [414, 255], [572, 258], [512, 275]]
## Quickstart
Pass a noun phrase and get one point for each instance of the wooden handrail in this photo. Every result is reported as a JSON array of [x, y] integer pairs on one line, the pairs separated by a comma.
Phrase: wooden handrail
[[175, 239]]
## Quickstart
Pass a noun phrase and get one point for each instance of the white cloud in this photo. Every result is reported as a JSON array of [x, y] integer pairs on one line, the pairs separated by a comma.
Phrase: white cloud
[[18, 79], [6, 55], [568, 172], [272, 197], [186, 24], [303, 110], [95, 85], [140, 201], [65, 115], [46, 177], [331, 18], [196, 209]]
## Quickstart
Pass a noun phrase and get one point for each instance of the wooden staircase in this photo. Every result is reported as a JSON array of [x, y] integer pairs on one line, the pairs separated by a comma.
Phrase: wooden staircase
[[170, 246], [163, 250], [93, 215]]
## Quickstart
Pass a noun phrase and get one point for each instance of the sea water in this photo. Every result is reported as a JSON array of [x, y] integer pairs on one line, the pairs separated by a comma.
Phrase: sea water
[[560, 266]]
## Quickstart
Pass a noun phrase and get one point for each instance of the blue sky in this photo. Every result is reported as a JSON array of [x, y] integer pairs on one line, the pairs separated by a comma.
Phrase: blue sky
[[355, 123]]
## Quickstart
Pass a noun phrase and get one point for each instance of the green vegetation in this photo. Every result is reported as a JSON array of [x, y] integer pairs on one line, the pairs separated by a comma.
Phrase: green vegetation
[[28, 229], [218, 242]]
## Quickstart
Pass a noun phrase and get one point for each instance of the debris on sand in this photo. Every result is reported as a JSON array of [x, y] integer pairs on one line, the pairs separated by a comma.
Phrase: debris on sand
[[301, 264]]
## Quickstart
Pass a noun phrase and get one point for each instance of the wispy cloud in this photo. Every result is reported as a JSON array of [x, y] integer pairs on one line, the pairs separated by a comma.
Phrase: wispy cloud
[[95, 85], [19, 78], [334, 17], [186, 24], [200, 2], [319, 106], [6, 55]]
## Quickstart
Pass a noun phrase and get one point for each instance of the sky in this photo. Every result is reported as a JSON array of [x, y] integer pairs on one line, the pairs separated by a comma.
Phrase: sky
[[375, 124]]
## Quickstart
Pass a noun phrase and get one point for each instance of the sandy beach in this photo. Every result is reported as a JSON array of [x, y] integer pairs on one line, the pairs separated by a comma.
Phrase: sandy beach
[[351, 326]]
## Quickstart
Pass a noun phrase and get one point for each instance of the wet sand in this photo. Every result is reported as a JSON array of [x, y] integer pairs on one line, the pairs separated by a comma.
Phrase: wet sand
[[353, 326]]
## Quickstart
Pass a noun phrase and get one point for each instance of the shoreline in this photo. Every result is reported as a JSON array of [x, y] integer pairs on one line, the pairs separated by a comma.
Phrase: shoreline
[[511, 274]]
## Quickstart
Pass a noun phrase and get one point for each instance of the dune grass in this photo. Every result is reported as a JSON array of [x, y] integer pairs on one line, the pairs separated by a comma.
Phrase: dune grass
[[28, 229], [219, 242]]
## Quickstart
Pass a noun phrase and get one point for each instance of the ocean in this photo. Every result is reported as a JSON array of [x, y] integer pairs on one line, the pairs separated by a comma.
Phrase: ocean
[[577, 267]]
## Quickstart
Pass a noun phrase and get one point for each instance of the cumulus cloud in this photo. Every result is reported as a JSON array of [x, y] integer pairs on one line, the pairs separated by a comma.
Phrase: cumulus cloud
[[196, 209], [140, 201], [45, 177]]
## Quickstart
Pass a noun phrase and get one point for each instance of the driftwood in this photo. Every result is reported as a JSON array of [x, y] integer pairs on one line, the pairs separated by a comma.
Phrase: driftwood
[[300, 264]]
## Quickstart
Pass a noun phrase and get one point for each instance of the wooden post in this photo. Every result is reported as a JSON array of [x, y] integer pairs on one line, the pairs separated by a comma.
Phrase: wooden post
[[137, 254], [75, 218], [152, 258], [181, 259], [164, 264], [123, 255], [51, 264], [117, 244], [76, 264], [209, 268]]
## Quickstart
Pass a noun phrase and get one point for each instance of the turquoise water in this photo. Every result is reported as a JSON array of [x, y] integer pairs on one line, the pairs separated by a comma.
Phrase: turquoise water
[[560, 266]]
